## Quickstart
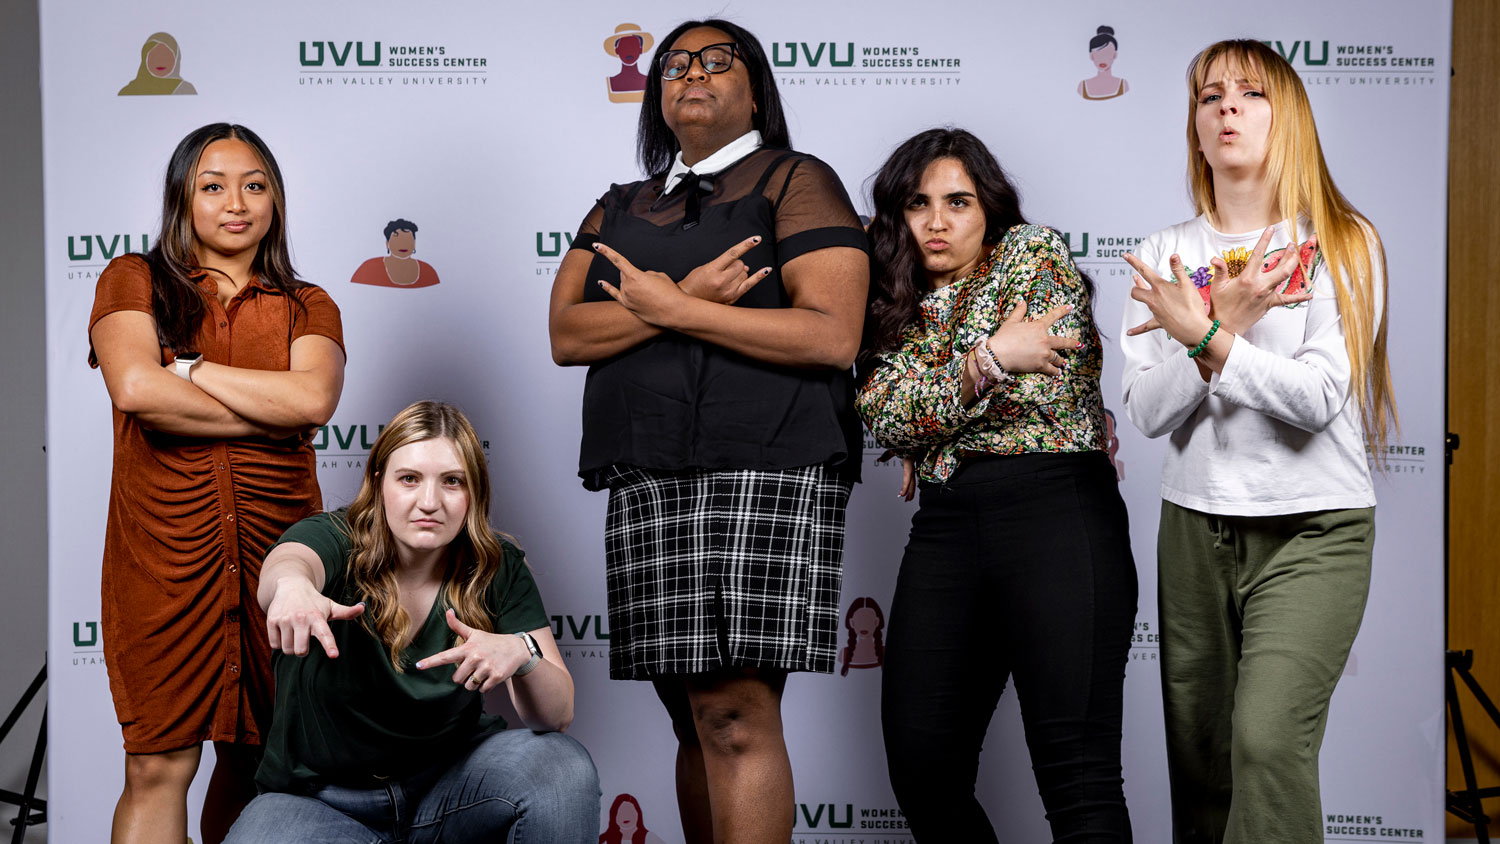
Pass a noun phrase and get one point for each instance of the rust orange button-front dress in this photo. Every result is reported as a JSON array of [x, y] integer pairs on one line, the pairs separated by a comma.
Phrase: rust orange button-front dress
[[189, 523]]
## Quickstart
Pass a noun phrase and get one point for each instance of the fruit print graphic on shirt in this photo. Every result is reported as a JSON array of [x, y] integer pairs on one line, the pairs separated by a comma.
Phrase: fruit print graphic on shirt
[[1309, 258]]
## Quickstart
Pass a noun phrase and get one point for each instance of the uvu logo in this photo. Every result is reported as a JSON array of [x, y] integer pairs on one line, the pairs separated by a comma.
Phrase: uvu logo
[[344, 435], [813, 57], [578, 628], [81, 247], [1082, 250], [560, 241], [340, 57], [814, 818], [80, 640], [1307, 52]]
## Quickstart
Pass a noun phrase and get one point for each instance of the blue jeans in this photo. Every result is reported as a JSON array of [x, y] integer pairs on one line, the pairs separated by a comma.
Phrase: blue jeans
[[515, 786]]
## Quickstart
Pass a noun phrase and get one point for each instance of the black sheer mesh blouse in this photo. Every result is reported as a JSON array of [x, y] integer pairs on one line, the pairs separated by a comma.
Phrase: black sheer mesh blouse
[[674, 402]]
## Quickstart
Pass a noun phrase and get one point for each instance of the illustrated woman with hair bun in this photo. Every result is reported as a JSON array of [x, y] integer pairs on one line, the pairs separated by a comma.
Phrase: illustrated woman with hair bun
[[717, 303], [1103, 85], [980, 367], [1256, 343], [220, 363]]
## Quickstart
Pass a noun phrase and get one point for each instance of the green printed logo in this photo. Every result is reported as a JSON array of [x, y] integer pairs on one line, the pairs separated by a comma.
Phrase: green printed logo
[[344, 437], [315, 53], [82, 641], [813, 817], [811, 57], [1306, 47], [1082, 250], [552, 244], [578, 628], [83, 248]]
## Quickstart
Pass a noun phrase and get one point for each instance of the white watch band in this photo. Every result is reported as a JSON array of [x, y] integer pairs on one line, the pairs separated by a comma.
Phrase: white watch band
[[184, 368]]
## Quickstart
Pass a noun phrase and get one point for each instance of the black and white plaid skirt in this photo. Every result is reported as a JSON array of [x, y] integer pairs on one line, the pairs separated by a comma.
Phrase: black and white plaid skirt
[[708, 569]]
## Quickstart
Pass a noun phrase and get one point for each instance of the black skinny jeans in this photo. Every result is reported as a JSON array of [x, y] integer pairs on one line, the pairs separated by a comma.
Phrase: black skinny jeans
[[1018, 565]]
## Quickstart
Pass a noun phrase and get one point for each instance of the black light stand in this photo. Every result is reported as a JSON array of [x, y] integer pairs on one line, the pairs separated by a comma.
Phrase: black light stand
[[1467, 805], [33, 811]]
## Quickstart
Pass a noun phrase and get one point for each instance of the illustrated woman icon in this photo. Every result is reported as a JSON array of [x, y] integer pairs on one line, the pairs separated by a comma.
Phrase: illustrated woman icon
[[866, 625], [628, 44], [1103, 85], [161, 69], [626, 825], [399, 266]]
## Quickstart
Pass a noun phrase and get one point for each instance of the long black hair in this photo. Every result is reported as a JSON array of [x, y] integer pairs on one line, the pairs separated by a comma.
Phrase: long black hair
[[898, 281], [655, 144], [177, 302]]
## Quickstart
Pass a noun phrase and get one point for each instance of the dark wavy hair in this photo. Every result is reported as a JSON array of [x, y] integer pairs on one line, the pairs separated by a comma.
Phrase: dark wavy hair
[[655, 144], [613, 835], [399, 225], [177, 302], [898, 281], [848, 654]]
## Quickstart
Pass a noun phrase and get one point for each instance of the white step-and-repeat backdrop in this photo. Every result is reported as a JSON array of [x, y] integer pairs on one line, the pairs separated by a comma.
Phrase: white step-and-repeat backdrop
[[494, 127]]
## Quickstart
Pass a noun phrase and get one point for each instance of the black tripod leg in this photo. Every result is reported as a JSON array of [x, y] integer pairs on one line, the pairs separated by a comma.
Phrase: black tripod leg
[[28, 797], [1470, 794]]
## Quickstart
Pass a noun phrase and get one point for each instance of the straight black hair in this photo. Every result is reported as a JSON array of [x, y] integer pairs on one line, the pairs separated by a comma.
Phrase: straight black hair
[[655, 144], [177, 302]]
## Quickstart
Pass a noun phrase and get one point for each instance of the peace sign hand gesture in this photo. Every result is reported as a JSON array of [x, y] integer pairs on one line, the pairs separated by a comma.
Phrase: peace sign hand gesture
[[1241, 301], [484, 660]]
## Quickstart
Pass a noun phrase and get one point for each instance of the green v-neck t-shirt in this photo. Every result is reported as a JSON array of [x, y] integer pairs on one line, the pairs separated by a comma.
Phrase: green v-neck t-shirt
[[354, 719]]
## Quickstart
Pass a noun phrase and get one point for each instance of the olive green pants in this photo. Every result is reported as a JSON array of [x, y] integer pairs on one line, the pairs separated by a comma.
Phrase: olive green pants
[[1257, 617]]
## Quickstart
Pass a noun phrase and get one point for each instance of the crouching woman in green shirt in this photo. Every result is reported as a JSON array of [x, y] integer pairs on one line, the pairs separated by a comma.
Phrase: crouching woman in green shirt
[[418, 608]]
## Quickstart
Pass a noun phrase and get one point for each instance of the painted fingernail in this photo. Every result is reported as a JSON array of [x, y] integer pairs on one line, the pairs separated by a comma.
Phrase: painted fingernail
[[600, 282], [595, 247], [1080, 345], [420, 665], [756, 239]]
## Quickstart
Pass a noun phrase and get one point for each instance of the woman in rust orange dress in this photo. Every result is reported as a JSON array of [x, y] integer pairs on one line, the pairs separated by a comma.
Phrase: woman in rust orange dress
[[220, 363]]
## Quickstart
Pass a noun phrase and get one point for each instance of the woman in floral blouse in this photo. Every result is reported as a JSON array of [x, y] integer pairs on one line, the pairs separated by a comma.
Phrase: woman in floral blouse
[[1019, 558]]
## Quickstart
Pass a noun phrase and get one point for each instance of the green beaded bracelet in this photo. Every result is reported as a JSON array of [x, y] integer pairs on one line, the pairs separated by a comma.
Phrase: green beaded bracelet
[[1203, 344]]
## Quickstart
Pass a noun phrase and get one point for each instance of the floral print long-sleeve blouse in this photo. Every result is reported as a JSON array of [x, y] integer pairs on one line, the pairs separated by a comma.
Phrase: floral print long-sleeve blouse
[[913, 399]]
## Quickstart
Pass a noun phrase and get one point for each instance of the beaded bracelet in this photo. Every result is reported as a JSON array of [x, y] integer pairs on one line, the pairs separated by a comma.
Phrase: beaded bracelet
[[984, 356], [1203, 344]]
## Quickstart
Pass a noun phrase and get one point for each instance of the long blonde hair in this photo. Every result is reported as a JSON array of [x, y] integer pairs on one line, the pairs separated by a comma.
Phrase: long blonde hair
[[1350, 245], [474, 556]]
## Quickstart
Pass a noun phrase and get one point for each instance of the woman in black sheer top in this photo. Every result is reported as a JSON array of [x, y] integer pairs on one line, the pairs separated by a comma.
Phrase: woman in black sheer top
[[719, 316]]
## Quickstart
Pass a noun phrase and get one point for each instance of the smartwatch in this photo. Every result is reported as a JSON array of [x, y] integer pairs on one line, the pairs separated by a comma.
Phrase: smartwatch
[[536, 655], [185, 363]]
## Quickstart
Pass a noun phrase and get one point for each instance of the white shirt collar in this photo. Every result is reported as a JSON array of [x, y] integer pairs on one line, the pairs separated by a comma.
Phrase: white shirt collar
[[723, 157]]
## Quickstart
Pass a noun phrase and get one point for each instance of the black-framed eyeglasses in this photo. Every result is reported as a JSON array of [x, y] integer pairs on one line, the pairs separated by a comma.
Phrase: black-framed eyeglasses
[[715, 58]]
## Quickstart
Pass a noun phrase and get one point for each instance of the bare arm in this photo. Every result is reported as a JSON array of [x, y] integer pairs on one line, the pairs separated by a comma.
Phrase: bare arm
[[300, 397], [544, 698], [130, 359], [821, 328], [585, 332], [291, 593]]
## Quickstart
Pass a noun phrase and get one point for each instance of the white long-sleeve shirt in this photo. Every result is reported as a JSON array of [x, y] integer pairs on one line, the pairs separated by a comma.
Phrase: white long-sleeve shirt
[[1275, 431]]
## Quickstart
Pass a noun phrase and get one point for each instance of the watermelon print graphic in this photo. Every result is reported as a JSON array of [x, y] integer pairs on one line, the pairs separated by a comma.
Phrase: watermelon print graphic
[[1308, 256]]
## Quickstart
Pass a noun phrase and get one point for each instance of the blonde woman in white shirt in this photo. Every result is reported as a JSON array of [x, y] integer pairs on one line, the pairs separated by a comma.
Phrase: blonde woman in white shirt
[[1256, 341]]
